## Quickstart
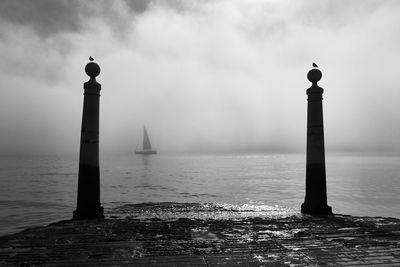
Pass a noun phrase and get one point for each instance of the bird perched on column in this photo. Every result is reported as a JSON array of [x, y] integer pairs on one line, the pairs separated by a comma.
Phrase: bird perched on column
[[315, 65]]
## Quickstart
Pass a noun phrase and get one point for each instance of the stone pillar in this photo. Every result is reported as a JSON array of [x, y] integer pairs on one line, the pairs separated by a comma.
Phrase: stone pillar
[[88, 204], [315, 202]]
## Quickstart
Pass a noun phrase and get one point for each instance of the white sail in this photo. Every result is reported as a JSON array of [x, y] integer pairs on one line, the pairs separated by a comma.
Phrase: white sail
[[146, 140], [146, 149]]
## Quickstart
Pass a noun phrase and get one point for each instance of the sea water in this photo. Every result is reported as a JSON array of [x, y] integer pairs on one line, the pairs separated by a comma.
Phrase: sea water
[[40, 190]]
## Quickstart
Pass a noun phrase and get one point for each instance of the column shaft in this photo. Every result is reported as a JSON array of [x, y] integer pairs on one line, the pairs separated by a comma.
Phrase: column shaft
[[315, 202], [88, 203]]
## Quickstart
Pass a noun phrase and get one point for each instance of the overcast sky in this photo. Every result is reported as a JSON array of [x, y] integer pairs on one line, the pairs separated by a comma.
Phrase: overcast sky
[[222, 75]]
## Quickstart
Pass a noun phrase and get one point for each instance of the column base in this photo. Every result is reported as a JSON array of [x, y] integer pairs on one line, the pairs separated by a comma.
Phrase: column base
[[316, 210], [85, 214]]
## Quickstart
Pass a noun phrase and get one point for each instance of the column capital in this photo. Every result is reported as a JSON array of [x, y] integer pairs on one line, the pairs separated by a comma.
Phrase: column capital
[[92, 87], [314, 76]]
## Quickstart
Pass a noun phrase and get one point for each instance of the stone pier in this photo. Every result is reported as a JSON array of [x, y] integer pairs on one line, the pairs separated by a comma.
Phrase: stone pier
[[179, 234], [88, 204]]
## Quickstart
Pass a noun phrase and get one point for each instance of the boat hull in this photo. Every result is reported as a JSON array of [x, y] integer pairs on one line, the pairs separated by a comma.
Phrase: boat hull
[[146, 152]]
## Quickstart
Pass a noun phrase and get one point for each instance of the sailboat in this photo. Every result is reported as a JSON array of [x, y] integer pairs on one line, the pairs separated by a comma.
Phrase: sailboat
[[147, 150]]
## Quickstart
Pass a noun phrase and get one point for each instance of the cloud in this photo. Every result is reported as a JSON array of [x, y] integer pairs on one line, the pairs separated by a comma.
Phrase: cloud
[[203, 75], [48, 17], [45, 16]]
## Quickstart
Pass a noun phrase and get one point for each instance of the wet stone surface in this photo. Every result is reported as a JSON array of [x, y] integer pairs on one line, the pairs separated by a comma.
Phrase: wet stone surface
[[173, 234]]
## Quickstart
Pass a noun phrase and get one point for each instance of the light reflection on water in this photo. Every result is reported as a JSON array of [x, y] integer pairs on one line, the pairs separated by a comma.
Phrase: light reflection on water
[[37, 191], [203, 211]]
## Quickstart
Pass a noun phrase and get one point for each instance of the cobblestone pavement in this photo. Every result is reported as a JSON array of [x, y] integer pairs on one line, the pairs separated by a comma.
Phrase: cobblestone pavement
[[172, 234]]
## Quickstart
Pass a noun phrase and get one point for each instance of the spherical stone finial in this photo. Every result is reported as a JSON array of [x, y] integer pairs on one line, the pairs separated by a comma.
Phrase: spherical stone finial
[[92, 69], [314, 75]]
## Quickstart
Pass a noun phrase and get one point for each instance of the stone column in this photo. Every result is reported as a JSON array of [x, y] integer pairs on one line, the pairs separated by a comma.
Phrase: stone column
[[88, 204], [315, 202]]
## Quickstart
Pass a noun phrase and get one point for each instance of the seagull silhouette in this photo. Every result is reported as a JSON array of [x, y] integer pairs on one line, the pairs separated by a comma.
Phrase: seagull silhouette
[[91, 59], [315, 65]]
